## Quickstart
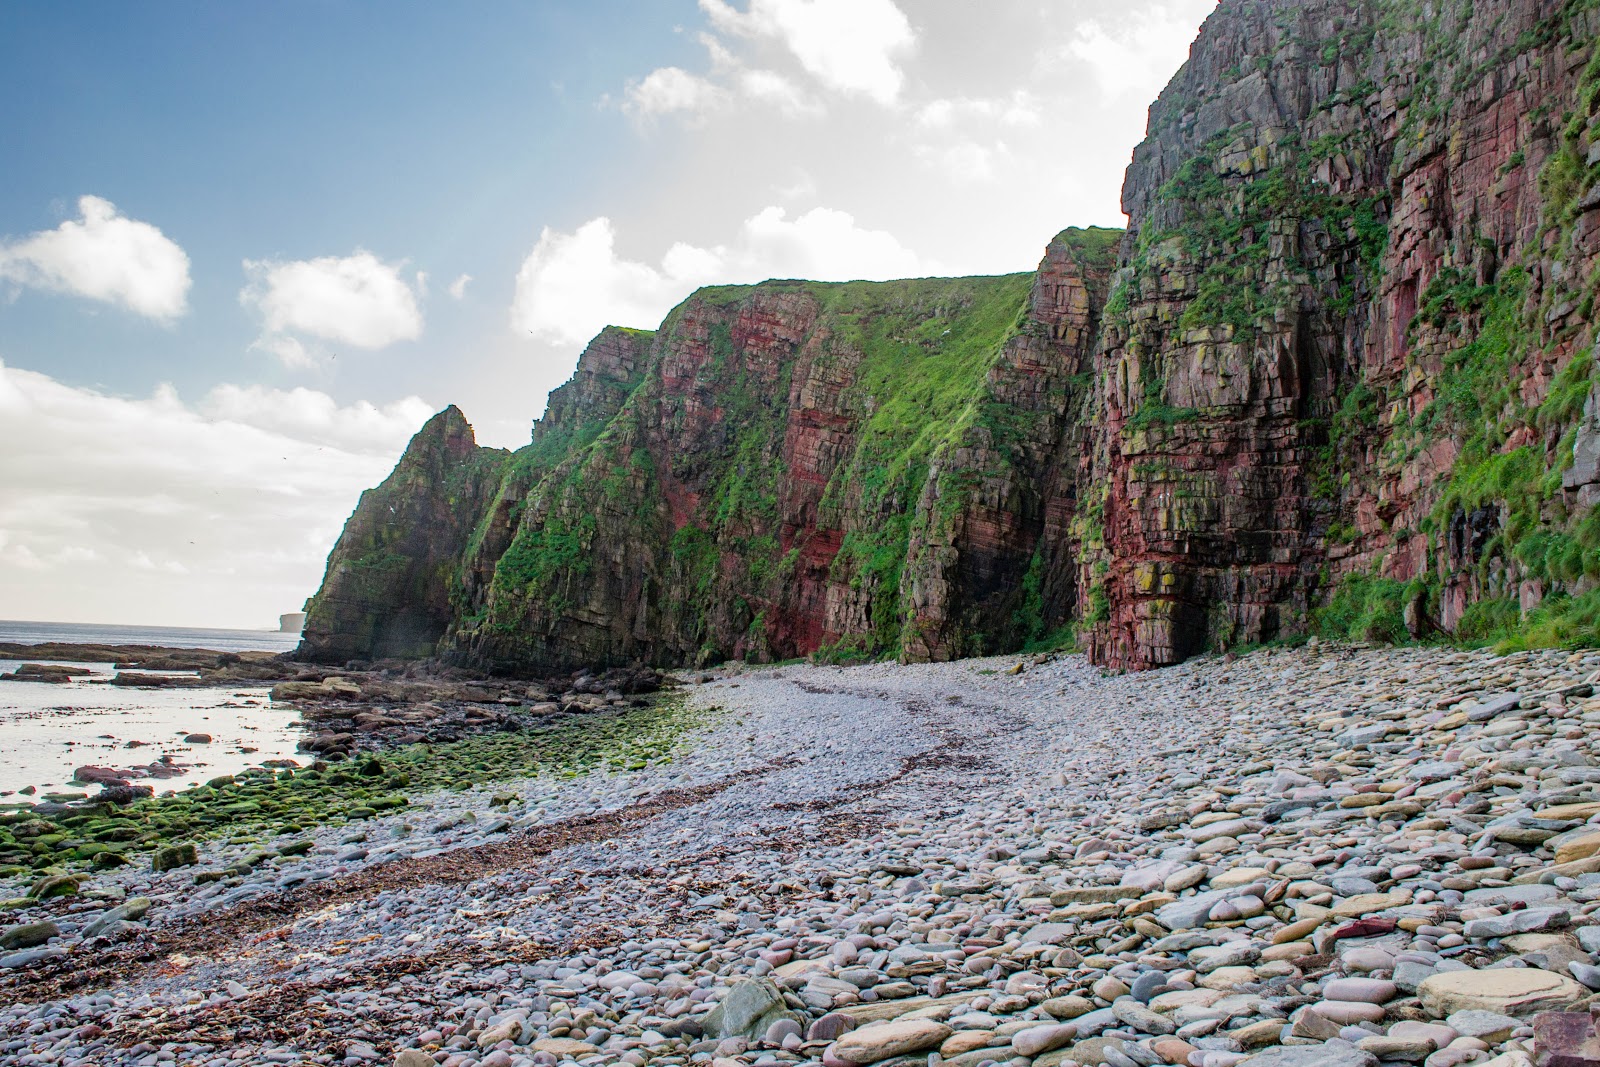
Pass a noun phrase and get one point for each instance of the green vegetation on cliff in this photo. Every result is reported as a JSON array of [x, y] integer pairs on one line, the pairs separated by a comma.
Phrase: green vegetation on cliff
[[1344, 381], [689, 497]]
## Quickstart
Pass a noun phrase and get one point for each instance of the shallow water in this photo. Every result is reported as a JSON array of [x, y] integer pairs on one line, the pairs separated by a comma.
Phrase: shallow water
[[47, 730], [163, 636]]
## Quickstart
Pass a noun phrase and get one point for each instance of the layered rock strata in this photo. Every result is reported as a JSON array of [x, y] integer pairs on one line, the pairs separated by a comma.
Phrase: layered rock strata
[[780, 469], [1336, 377]]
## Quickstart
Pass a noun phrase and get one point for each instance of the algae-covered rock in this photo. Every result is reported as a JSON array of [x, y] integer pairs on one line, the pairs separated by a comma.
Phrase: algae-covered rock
[[171, 857], [28, 935], [60, 885]]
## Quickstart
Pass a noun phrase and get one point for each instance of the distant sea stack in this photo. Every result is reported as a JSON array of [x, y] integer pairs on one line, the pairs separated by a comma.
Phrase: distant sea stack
[[292, 622], [1337, 375]]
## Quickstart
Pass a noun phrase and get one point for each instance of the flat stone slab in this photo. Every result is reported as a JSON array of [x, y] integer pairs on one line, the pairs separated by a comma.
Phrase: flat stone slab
[[1332, 1054], [1514, 991]]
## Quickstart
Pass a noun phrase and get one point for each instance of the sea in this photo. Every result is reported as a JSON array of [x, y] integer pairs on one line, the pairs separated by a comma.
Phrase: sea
[[48, 731], [79, 633]]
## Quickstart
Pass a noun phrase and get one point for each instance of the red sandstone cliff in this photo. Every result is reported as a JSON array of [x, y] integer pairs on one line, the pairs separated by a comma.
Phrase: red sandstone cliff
[[1362, 247], [1337, 376]]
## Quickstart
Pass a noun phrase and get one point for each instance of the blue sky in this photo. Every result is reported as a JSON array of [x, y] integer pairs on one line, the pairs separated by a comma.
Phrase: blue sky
[[300, 129], [245, 249]]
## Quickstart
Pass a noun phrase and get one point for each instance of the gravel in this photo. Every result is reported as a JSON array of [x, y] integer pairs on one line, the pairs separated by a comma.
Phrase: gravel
[[1367, 856]]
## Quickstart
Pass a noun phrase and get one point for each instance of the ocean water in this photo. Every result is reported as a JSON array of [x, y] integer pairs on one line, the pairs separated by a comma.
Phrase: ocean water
[[34, 633], [48, 731]]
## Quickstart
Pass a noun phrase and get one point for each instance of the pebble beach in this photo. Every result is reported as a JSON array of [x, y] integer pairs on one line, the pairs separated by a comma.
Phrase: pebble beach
[[1315, 856]]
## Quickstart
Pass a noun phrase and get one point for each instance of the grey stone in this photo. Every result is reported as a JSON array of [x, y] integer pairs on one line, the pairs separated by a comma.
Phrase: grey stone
[[1490, 1026], [1493, 706], [1408, 974], [749, 1009], [1189, 912], [1148, 985], [28, 935], [131, 911], [1586, 973], [1049, 933], [1527, 921], [1512, 894], [1331, 1054], [830, 1027], [30, 956], [1134, 1014]]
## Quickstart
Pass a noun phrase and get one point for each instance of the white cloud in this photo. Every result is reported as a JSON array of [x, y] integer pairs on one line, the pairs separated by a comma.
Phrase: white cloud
[[1138, 52], [965, 162], [357, 300], [673, 90], [290, 351], [670, 90], [104, 499], [458, 288], [103, 256], [850, 46], [308, 415], [573, 284], [1020, 109], [823, 245], [771, 88]]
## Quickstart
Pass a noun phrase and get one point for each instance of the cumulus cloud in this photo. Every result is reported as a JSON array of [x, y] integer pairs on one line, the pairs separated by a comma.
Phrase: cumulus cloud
[[1019, 109], [849, 46], [106, 501], [1138, 52], [773, 89], [672, 89], [356, 300], [731, 82], [105, 256], [308, 415], [965, 162], [573, 284], [852, 47], [458, 288]]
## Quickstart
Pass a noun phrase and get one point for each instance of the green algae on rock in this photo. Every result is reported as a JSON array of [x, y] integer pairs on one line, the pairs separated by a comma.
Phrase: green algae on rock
[[264, 803]]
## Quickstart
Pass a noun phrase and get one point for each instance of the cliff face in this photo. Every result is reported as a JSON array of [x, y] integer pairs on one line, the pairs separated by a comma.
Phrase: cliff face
[[780, 469], [807, 467], [388, 590], [1336, 376], [1350, 337]]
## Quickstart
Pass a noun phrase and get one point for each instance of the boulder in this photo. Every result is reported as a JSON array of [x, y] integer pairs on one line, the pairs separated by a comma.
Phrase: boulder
[[171, 857], [28, 935], [750, 1007]]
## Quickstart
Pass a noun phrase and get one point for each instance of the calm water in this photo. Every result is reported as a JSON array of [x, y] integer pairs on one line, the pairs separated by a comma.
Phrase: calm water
[[166, 636], [48, 731]]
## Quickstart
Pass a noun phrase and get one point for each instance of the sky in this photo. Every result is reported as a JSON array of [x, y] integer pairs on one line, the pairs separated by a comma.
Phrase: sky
[[246, 250]]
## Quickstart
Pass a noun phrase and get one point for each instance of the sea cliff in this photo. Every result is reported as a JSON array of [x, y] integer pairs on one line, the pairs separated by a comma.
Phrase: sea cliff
[[1335, 377]]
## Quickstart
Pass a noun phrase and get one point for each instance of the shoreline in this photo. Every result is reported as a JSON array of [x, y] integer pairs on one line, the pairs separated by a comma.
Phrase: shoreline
[[998, 861]]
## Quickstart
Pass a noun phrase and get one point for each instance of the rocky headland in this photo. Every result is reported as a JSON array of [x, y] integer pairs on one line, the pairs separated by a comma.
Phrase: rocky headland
[[1336, 377], [1326, 855]]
